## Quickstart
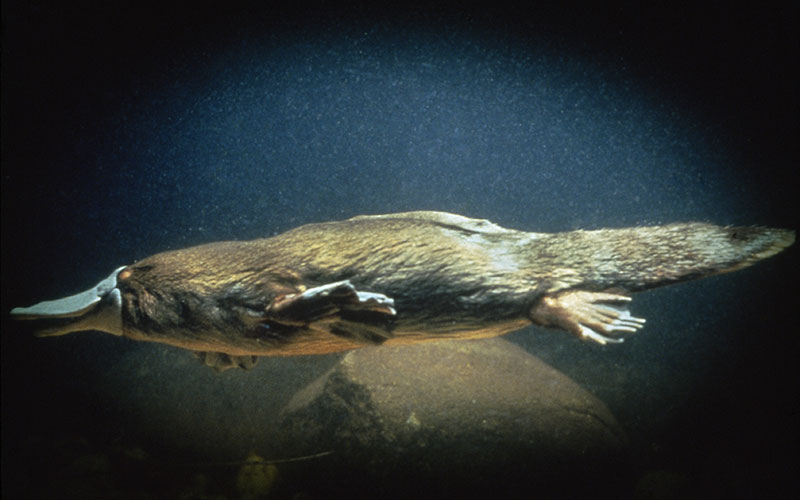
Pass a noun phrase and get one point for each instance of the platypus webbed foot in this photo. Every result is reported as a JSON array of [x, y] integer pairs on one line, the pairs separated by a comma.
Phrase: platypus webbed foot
[[598, 316], [220, 361], [337, 308]]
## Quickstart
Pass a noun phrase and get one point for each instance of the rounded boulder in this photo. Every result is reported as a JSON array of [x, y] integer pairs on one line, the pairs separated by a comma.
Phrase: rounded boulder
[[449, 419]]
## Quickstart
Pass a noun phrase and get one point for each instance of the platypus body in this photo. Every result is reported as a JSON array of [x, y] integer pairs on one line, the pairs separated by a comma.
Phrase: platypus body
[[396, 279]]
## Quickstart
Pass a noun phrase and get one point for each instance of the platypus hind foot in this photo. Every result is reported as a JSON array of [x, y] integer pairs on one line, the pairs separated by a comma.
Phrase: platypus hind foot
[[598, 316]]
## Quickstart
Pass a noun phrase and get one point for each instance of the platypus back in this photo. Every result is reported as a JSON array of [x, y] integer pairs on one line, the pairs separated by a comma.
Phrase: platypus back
[[396, 279]]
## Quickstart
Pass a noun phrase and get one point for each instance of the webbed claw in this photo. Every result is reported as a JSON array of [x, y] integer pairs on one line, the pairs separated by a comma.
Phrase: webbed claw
[[338, 308], [220, 361], [589, 315]]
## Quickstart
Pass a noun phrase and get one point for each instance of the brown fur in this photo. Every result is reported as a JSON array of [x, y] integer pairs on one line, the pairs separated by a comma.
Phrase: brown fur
[[449, 277]]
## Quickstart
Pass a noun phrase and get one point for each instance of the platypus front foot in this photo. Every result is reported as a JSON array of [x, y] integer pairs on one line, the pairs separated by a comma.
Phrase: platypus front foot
[[324, 300], [598, 316], [337, 308]]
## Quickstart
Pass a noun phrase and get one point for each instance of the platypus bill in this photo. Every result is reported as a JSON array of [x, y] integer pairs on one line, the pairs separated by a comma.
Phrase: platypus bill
[[396, 279]]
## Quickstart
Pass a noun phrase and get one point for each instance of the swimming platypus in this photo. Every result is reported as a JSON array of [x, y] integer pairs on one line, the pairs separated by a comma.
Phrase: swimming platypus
[[396, 279]]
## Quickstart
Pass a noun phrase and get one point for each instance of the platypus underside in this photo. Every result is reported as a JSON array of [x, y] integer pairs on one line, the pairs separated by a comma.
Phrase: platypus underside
[[396, 279]]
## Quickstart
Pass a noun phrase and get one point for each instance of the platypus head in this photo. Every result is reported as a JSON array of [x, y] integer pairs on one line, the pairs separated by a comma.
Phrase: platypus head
[[99, 308], [180, 298]]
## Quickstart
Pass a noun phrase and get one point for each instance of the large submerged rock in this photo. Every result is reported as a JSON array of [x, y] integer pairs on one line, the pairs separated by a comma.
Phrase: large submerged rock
[[451, 418]]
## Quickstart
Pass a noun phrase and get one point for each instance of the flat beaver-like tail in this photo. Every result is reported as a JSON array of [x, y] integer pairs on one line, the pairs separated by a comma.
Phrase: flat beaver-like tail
[[591, 273], [640, 258]]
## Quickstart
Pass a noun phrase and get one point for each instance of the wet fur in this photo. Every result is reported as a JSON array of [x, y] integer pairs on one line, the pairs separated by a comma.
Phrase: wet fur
[[449, 276]]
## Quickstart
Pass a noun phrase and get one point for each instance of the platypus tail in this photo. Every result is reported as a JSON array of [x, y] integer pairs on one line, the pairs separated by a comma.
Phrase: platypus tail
[[640, 258], [587, 291]]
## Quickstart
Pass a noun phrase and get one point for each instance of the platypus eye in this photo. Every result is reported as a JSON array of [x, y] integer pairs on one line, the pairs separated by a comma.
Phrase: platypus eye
[[125, 274]]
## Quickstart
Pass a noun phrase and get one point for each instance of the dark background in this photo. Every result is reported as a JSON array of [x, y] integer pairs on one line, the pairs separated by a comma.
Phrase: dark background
[[132, 128]]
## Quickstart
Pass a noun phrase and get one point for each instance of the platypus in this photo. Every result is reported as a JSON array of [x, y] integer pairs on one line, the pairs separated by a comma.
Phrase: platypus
[[396, 279]]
